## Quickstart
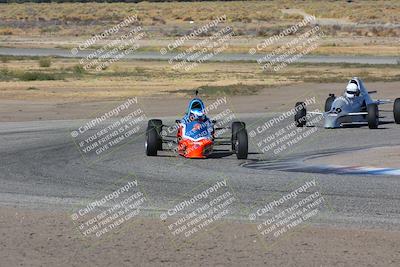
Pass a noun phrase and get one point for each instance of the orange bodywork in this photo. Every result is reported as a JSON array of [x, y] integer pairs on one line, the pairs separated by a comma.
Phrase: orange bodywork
[[194, 149]]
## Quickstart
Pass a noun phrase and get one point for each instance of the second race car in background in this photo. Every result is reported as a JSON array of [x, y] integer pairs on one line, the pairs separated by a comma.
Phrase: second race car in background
[[355, 106]]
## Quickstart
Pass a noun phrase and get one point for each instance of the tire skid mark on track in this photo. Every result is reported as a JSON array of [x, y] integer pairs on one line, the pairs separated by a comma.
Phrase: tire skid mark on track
[[297, 164]]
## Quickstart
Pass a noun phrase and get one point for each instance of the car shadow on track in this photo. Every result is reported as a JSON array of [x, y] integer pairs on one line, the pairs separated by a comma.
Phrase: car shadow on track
[[352, 126], [217, 154]]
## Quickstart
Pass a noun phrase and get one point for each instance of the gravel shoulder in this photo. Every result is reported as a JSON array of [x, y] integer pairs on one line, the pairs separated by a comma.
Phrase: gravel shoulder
[[38, 238]]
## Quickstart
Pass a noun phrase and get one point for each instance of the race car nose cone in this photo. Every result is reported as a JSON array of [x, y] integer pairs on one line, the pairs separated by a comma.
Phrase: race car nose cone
[[331, 121]]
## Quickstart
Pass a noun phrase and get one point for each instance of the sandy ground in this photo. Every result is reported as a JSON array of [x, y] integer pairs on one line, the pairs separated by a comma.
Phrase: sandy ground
[[268, 100], [381, 157], [37, 238]]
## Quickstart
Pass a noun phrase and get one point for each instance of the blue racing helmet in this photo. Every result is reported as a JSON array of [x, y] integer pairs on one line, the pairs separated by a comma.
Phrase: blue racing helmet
[[196, 108]]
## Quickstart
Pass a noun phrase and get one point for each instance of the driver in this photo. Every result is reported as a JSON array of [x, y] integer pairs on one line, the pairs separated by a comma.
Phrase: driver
[[196, 112], [352, 91]]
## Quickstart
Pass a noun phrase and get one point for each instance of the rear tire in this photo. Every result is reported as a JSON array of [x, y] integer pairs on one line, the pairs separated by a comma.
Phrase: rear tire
[[236, 127], [373, 116], [329, 102], [151, 143], [155, 123], [242, 146], [158, 124], [301, 113], [396, 110]]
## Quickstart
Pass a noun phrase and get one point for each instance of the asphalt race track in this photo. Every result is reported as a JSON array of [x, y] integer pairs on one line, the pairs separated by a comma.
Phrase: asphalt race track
[[219, 57], [296, 164], [42, 168]]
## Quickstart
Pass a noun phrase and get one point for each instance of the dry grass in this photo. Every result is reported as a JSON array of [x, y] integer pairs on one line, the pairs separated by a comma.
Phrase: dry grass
[[150, 78], [368, 11], [365, 11], [169, 19], [148, 12], [67, 24]]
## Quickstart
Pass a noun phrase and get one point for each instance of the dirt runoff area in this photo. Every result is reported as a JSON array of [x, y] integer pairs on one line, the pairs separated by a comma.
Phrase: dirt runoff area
[[281, 98], [380, 157], [45, 238]]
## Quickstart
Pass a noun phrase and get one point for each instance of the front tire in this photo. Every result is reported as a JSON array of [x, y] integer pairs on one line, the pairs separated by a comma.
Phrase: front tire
[[396, 110], [236, 127], [242, 146], [157, 124], [329, 102], [151, 143], [301, 113], [373, 116]]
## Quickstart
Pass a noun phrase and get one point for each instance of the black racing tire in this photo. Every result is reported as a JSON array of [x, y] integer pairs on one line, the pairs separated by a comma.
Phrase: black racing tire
[[158, 124], [242, 144], [151, 143], [155, 123], [236, 127], [329, 102], [301, 113], [396, 110], [373, 116]]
